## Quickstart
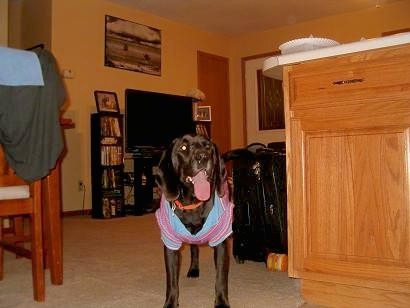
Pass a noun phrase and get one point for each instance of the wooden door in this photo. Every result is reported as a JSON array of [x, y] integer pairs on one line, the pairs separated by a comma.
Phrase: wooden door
[[348, 171], [213, 80]]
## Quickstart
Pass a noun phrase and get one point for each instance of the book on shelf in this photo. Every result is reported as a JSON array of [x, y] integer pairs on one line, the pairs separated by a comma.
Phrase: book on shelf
[[111, 207], [111, 179], [201, 130], [110, 126], [111, 155]]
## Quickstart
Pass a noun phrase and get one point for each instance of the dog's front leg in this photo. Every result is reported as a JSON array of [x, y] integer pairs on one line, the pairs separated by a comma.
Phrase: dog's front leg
[[172, 265], [221, 258]]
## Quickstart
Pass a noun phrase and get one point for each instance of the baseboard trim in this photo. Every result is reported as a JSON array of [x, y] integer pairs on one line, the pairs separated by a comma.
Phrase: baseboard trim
[[77, 213]]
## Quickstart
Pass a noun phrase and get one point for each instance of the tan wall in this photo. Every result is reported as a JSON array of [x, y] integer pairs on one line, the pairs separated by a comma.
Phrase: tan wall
[[30, 23], [342, 28], [4, 22], [77, 41], [78, 44], [15, 23]]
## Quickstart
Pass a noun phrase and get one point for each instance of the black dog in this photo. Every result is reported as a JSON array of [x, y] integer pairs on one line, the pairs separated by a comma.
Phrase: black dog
[[195, 209]]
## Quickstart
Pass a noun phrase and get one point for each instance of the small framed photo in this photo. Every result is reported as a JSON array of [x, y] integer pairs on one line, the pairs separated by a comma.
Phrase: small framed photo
[[106, 101], [203, 113]]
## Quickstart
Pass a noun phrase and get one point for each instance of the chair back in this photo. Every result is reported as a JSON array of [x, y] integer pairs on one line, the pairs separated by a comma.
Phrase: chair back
[[19, 198], [7, 175]]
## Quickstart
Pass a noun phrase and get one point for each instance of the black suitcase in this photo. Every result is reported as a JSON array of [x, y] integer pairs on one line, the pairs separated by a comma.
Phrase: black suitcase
[[259, 194]]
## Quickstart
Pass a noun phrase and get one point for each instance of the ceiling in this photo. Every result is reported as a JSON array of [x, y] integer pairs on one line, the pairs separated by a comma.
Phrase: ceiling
[[238, 17]]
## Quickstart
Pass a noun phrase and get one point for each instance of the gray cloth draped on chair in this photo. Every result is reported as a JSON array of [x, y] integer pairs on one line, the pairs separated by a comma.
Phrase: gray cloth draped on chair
[[30, 130]]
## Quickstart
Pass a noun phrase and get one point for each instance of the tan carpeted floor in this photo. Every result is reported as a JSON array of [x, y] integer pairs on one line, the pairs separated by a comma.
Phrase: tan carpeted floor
[[119, 263]]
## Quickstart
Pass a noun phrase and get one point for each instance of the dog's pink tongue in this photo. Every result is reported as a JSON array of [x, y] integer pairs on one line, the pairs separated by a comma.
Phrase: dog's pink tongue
[[202, 187]]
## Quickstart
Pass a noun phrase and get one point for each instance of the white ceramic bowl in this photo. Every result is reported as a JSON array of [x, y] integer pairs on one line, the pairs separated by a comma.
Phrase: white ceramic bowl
[[304, 44]]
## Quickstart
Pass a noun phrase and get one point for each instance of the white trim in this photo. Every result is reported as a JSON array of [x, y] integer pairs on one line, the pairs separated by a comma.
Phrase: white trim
[[369, 44]]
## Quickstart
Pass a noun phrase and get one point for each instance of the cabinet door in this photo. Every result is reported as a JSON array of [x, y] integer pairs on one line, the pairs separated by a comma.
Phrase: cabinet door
[[348, 170]]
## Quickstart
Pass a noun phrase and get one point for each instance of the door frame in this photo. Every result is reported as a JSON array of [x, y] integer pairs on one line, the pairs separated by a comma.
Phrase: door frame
[[278, 134], [226, 60]]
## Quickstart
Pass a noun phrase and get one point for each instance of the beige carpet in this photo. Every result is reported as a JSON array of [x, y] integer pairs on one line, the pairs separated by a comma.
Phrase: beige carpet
[[119, 263]]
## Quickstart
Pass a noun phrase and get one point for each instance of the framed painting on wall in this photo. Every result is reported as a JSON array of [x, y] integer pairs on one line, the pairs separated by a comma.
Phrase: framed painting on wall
[[106, 101], [203, 113], [132, 46], [270, 102], [264, 106]]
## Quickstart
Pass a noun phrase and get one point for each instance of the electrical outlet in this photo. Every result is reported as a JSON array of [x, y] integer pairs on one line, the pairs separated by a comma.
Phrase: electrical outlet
[[80, 185]]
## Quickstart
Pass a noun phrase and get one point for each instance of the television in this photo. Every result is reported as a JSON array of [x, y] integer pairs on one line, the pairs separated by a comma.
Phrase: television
[[153, 120]]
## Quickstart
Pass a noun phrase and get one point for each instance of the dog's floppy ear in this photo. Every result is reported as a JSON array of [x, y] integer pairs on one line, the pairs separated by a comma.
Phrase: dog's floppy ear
[[166, 178], [219, 172]]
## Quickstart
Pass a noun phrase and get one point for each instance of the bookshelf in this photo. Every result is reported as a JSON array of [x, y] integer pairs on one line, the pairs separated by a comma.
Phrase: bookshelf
[[107, 167]]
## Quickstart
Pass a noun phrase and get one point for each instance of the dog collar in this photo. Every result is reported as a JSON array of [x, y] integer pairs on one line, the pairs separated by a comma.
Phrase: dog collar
[[178, 204]]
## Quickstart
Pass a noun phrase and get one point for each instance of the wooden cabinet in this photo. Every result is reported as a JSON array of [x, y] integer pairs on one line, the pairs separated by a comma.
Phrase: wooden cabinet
[[348, 151]]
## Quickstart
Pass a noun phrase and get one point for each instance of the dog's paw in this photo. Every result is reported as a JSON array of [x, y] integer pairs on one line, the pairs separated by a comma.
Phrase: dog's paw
[[193, 273], [221, 301], [171, 305]]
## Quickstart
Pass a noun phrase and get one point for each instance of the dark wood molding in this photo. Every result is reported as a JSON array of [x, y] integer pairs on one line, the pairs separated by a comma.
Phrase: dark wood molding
[[77, 213], [395, 31], [214, 70]]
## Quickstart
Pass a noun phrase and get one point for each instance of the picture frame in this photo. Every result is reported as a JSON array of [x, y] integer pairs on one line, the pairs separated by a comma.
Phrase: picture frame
[[263, 113], [203, 113], [132, 46], [106, 101]]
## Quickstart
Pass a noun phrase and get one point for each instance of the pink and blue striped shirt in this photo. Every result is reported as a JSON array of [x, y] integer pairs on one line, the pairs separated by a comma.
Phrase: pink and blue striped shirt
[[217, 227]]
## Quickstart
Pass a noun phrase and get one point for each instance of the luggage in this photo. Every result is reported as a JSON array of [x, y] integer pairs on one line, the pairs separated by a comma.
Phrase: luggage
[[259, 194]]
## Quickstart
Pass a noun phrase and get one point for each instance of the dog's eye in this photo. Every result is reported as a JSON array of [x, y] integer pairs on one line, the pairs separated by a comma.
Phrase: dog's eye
[[184, 147]]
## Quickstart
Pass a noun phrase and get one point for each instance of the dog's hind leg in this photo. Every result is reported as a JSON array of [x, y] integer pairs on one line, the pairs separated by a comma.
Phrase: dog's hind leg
[[221, 258], [172, 266], [193, 271]]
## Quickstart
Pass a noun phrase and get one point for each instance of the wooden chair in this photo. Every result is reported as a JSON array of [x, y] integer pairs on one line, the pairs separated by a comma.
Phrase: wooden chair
[[52, 229], [18, 198]]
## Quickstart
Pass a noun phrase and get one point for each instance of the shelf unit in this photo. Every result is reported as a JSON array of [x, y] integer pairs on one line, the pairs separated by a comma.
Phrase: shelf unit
[[107, 167]]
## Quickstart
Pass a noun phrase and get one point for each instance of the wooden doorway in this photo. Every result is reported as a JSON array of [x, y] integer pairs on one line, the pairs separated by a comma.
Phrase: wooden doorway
[[213, 80]]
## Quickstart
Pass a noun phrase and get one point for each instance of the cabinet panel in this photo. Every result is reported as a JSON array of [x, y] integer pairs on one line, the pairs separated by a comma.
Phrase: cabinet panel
[[344, 295], [356, 186], [351, 82]]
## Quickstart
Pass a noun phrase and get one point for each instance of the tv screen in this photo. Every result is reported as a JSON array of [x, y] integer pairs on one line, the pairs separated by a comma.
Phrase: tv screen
[[153, 120]]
